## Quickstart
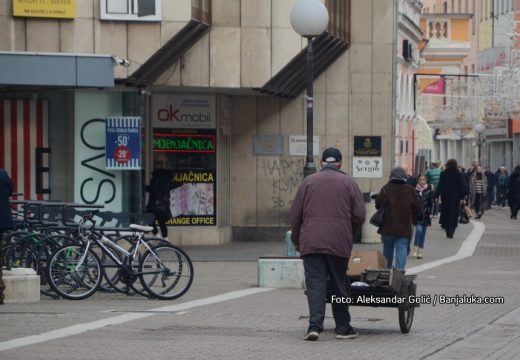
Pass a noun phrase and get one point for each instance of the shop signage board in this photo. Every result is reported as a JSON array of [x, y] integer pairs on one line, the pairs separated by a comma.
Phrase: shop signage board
[[367, 146], [268, 145], [298, 145], [367, 167], [192, 198], [184, 111], [93, 183], [63, 9], [123, 143]]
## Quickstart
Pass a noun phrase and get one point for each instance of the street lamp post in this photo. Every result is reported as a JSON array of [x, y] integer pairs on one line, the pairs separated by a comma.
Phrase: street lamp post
[[479, 128], [309, 18]]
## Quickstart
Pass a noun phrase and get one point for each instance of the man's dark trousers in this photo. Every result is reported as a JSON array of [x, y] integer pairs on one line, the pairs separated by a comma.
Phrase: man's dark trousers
[[319, 268]]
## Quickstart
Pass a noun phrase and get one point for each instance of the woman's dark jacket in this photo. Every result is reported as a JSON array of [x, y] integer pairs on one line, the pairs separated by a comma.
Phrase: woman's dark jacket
[[426, 199], [452, 189], [6, 190], [402, 209]]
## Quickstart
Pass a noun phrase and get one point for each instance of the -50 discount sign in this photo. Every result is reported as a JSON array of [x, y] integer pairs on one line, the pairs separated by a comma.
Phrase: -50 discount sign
[[123, 143]]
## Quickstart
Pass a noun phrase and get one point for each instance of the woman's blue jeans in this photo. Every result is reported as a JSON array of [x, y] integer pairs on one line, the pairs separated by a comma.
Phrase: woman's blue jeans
[[420, 235], [400, 244]]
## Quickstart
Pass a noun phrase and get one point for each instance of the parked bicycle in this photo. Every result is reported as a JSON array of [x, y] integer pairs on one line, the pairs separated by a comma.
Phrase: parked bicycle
[[75, 271]]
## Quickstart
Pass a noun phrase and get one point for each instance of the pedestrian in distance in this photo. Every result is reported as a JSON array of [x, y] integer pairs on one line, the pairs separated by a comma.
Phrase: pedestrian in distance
[[477, 189], [6, 219], [326, 213], [491, 183], [432, 176], [514, 192], [425, 194], [452, 190], [502, 178], [402, 211], [159, 200]]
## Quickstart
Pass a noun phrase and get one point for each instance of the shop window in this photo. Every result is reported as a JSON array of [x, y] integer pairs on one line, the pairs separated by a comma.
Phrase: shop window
[[131, 10], [184, 151]]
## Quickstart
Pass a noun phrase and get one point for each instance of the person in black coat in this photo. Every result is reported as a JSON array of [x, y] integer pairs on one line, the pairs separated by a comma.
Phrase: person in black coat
[[159, 199], [514, 192], [452, 191], [491, 183], [6, 219]]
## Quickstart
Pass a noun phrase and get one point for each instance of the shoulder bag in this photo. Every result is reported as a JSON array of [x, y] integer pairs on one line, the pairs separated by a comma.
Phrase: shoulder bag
[[379, 216]]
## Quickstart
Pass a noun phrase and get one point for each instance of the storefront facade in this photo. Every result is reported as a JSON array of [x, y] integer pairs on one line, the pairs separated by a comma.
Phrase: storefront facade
[[228, 152]]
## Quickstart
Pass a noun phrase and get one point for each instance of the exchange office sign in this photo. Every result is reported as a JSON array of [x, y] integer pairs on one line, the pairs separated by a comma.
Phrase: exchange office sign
[[60, 9], [192, 198]]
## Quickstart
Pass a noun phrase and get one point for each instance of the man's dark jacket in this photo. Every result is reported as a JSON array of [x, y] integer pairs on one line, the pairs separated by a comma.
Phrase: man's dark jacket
[[327, 210]]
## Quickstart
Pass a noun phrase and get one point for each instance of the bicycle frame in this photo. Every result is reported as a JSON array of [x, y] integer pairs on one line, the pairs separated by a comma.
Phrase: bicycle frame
[[100, 240]]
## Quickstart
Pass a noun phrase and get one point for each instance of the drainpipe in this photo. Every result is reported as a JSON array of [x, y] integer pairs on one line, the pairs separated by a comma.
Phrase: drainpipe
[[394, 80]]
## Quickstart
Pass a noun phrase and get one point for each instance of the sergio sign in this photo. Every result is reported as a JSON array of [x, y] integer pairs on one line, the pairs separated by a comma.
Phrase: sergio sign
[[60, 9]]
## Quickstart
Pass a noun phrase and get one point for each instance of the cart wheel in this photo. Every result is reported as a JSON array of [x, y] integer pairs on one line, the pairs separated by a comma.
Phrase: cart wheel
[[406, 309]]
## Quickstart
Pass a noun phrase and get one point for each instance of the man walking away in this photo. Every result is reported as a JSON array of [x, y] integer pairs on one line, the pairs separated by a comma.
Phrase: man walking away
[[327, 210]]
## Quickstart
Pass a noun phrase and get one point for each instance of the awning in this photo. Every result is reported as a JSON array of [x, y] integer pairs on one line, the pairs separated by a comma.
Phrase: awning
[[424, 134], [291, 80], [56, 69]]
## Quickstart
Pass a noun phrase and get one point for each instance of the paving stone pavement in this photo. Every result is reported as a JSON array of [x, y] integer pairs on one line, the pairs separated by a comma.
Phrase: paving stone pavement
[[271, 324]]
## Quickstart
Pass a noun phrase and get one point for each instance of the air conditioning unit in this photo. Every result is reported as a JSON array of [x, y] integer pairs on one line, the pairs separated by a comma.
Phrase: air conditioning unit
[[407, 50]]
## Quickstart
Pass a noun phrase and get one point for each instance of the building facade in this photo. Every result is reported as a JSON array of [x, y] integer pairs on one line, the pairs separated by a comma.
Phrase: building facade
[[218, 88]]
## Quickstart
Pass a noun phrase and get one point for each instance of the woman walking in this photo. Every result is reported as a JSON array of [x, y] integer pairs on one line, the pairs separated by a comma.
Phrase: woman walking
[[402, 210], [452, 191], [514, 192], [477, 188], [424, 193]]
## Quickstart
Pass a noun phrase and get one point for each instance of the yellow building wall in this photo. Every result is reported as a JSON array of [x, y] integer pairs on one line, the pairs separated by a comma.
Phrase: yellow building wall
[[485, 35], [459, 30]]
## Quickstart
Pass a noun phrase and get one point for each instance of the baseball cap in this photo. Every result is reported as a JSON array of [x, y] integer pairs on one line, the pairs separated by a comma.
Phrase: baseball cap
[[331, 155]]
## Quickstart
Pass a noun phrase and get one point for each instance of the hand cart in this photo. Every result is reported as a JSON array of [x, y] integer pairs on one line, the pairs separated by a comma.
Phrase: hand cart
[[380, 293]]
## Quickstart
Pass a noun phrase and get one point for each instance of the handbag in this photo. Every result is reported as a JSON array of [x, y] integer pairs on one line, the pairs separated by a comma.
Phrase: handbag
[[468, 211], [378, 217], [463, 217]]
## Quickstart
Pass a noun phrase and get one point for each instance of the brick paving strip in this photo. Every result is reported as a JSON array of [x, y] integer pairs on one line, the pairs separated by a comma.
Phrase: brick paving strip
[[120, 319], [498, 340]]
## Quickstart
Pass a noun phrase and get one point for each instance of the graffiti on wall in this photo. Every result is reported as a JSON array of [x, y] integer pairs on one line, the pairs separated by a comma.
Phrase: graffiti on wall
[[286, 175]]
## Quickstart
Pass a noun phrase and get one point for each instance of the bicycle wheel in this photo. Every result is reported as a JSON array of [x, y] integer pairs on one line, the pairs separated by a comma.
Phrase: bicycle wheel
[[115, 275], [166, 272], [74, 274]]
